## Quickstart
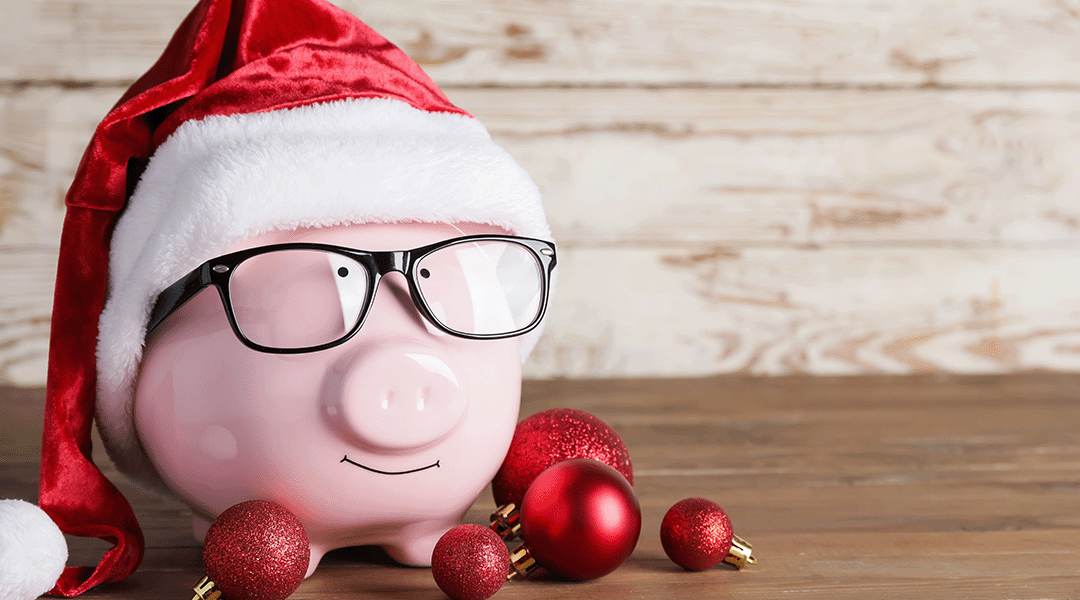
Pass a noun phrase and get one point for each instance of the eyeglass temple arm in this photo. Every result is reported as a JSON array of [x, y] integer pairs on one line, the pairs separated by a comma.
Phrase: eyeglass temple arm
[[174, 296]]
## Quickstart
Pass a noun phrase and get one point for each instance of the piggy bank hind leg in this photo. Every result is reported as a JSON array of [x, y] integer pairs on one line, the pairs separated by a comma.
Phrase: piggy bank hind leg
[[416, 541]]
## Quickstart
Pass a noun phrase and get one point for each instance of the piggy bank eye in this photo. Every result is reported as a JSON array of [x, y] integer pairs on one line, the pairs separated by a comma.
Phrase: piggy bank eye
[[425, 273], [343, 272]]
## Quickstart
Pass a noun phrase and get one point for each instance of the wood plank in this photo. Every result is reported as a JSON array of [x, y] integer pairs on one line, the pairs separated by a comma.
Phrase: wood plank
[[43, 133], [646, 312], [663, 167], [796, 167], [27, 278], [665, 42], [627, 398], [675, 312], [986, 535]]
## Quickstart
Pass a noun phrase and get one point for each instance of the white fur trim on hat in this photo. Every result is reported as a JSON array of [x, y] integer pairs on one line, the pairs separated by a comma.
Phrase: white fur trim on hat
[[220, 180]]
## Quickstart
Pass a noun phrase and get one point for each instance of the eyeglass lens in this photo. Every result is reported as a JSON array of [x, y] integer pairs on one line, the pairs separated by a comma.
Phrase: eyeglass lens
[[300, 298], [297, 298], [484, 287]]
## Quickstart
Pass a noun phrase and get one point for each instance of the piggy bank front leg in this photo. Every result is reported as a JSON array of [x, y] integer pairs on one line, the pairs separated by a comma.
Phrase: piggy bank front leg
[[416, 541], [318, 551]]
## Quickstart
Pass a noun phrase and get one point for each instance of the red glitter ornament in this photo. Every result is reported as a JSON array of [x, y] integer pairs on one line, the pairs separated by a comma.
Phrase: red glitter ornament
[[697, 535], [255, 550], [553, 436], [470, 562], [580, 519]]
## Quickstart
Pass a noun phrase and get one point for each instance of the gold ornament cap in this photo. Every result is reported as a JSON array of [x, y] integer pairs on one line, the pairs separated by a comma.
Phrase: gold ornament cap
[[206, 590], [741, 553], [522, 562], [506, 521]]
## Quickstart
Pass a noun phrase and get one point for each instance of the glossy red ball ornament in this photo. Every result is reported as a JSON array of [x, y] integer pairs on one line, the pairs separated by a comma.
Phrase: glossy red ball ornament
[[470, 562], [580, 519], [553, 436], [696, 535], [256, 550]]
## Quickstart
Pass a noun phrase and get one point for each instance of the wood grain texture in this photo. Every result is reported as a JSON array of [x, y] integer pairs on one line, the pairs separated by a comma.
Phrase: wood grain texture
[[841, 310], [662, 167], [43, 133], [26, 289], [645, 167], [667, 42], [929, 486]]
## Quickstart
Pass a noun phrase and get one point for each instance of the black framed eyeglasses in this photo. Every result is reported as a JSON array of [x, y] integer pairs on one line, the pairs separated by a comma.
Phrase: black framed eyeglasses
[[304, 297]]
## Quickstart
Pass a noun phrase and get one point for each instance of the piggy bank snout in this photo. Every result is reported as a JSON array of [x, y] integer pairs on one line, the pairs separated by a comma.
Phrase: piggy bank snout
[[400, 397]]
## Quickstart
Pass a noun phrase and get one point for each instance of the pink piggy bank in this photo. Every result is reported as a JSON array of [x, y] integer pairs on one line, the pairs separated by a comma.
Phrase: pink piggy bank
[[386, 438], [291, 270]]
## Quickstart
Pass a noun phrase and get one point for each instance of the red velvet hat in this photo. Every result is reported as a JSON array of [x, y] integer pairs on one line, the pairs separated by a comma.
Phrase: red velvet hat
[[245, 90]]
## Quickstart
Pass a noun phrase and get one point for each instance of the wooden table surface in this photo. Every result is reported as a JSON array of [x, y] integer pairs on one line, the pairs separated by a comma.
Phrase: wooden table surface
[[866, 487]]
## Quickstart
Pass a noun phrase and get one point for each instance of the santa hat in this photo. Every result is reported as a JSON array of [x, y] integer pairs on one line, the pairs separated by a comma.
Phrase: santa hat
[[260, 115]]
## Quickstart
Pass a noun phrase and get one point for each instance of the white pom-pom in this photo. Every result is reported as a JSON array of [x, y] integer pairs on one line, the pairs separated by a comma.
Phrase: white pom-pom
[[32, 551]]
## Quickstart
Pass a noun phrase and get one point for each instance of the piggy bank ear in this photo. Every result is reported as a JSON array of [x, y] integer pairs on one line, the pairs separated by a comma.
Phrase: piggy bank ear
[[32, 551]]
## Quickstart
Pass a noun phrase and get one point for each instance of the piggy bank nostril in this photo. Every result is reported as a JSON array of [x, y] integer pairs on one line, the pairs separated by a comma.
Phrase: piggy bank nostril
[[399, 397]]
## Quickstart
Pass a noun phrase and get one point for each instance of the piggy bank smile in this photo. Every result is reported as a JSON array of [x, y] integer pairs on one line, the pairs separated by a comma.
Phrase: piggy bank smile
[[434, 465]]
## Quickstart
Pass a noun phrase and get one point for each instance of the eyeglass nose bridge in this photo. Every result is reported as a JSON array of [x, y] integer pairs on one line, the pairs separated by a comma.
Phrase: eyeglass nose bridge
[[388, 262]]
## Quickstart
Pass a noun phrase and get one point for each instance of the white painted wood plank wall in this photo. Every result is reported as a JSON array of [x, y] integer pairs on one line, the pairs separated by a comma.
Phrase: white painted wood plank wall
[[778, 186]]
